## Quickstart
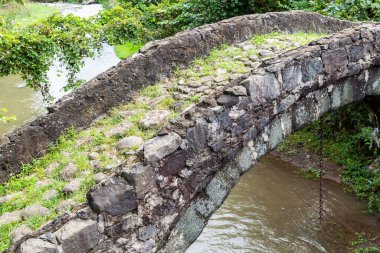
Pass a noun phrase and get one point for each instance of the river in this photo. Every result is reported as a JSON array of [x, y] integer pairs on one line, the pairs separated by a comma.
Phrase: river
[[274, 210], [26, 104]]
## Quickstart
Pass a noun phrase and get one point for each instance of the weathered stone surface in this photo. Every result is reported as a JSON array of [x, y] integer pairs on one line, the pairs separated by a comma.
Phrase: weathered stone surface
[[311, 68], [114, 197], [34, 210], [20, 232], [99, 177], [79, 236], [262, 88], [155, 119], [228, 100], [129, 142], [10, 217], [118, 130], [142, 178], [190, 225], [335, 61], [72, 186], [65, 205], [237, 91], [50, 194], [161, 146], [197, 136], [292, 77], [68, 171], [37, 246]]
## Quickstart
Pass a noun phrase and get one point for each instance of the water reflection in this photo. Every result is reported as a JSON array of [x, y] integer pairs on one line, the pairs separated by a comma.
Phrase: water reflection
[[273, 210]]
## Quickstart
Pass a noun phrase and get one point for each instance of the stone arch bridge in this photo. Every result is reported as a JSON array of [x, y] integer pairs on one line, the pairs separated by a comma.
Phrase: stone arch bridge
[[162, 203]]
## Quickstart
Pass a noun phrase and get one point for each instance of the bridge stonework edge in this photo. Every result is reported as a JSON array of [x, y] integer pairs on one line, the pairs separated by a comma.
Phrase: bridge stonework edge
[[154, 62], [163, 203]]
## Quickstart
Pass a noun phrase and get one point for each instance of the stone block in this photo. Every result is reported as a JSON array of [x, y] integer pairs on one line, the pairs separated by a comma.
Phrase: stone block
[[311, 68], [114, 197], [37, 246], [262, 88], [161, 146], [197, 136], [275, 133], [79, 236], [292, 77]]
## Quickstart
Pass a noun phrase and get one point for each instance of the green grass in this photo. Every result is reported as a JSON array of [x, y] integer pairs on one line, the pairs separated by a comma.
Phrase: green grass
[[128, 49], [27, 13]]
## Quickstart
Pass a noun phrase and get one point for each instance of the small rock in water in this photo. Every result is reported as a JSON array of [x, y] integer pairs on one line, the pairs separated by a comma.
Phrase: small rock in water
[[155, 118], [72, 186], [129, 142], [10, 217], [50, 194], [34, 210], [69, 171], [65, 205], [20, 232]]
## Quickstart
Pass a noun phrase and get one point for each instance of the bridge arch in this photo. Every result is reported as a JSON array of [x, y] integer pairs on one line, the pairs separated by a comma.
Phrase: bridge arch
[[163, 203]]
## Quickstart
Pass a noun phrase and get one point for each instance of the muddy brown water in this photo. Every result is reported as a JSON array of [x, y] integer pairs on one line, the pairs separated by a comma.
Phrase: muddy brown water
[[274, 210]]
